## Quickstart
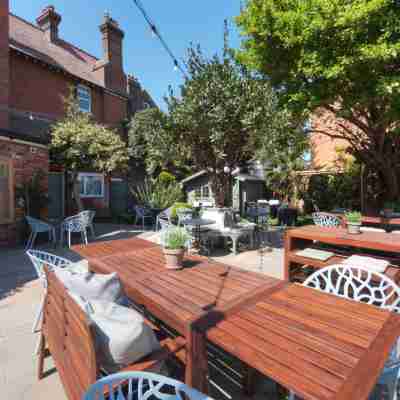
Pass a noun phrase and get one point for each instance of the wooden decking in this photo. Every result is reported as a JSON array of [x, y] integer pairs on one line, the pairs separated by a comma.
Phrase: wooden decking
[[318, 345]]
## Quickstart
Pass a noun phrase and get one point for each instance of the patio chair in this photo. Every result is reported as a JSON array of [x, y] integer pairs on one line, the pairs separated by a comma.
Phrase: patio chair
[[39, 259], [141, 386], [38, 226], [143, 213], [88, 218], [360, 284], [76, 224], [184, 214], [326, 220]]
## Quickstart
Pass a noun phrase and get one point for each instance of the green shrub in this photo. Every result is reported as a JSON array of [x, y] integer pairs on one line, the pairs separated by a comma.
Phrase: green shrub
[[353, 217], [166, 178], [175, 238], [156, 194], [177, 206]]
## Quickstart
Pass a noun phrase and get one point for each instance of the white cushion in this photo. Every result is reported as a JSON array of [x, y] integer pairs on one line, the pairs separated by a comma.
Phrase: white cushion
[[91, 286], [373, 264], [122, 336], [79, 267]]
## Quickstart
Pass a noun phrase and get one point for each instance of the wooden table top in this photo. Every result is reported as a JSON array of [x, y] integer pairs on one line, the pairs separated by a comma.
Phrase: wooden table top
[[320, 346], [177, 297], [369, 240]]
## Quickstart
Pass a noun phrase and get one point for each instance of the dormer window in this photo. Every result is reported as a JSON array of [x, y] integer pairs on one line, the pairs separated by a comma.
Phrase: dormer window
[[84, 98]]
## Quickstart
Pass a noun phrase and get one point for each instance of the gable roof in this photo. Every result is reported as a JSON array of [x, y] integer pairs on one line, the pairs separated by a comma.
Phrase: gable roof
[[30, 40]]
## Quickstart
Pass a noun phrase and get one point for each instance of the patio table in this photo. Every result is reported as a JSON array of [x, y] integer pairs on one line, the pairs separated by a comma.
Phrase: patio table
[[299, 238], [202, 292], [320, 346]]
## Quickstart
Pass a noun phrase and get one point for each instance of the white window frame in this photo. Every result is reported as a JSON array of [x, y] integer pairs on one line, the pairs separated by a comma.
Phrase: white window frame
[[84, 92], [9, 163], [92, 174]]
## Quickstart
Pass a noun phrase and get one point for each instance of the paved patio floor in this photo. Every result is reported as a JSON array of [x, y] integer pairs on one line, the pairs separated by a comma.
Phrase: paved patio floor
[[20, 294]]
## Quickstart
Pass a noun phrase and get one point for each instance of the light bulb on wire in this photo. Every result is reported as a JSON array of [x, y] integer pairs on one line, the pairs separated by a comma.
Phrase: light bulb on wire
[[176, 65], [153, 31]]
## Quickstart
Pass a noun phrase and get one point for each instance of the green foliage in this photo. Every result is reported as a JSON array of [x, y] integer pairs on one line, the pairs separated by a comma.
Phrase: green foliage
[[353, 217], [79, 143], [166, 178], [175, 238], [31, 191], [339, 190], [340, 56], [220, 116], [177, 206], [149, 141], [156, 194]]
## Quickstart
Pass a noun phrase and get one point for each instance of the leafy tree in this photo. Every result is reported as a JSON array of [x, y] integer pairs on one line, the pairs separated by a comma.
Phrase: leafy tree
[[339, 56], [149, 143], [79, 144], [222, 112]]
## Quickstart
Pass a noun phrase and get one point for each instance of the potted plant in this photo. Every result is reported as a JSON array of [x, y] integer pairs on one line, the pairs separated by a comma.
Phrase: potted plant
[[353, 221], [388, 209], [174, 241]]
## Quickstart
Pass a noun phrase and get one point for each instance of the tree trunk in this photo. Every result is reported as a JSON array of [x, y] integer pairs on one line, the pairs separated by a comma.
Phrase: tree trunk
[[77, 192], [220, 187]]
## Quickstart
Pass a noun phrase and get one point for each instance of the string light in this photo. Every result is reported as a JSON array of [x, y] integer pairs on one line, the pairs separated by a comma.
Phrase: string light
[[156, 33]]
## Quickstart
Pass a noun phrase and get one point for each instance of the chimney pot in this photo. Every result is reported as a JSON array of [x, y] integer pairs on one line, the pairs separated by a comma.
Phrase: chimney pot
[[48, 21]]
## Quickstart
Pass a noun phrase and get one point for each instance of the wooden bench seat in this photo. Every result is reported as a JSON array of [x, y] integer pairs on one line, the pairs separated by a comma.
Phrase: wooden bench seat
[[68, 337]]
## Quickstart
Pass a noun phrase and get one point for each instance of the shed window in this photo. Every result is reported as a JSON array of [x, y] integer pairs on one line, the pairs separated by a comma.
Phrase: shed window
[[6, 191], [84, 98]]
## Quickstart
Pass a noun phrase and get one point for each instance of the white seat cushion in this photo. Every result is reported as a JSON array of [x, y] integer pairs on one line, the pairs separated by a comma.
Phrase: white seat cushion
[[79, 267], [93, 286], [122, 336]]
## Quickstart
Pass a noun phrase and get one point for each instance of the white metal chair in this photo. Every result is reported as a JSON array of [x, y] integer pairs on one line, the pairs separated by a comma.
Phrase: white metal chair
[[39, 259], [76, 224], [38, 226], [363, 285], [184, 214], [142, 386], [142, 213], [88, 218], [326, 220]]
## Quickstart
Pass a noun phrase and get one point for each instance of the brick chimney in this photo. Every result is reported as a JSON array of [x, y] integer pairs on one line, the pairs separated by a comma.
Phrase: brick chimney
[[4, 63], [111, 64], [48, 22]]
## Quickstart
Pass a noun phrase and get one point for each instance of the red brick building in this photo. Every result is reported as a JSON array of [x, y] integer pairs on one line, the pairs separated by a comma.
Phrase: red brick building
[[37, 68]]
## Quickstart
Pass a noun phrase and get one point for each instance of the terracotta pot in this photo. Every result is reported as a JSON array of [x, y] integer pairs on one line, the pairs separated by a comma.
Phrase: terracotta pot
[[173, 258], [353, 229]]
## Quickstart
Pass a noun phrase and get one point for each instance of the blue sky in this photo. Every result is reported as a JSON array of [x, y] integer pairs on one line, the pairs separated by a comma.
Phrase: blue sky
[[179, 21]]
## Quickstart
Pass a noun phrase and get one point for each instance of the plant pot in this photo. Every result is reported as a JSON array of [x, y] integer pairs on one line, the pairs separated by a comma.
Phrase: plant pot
[[353, 228], [173, 258]]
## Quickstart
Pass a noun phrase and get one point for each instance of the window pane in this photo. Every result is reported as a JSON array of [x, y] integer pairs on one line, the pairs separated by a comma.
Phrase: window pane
[[84, 98], [198, 192], [206, 191], [5, 206], [93, 186]]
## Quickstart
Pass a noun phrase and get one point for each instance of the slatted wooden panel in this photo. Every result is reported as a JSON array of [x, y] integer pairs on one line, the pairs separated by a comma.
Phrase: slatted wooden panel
[[321, 346], [70, 340], [179, 296], [101, 249]]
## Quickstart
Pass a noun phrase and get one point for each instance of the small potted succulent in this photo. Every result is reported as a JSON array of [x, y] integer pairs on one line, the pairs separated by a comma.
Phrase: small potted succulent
[[353, 221], [174, 241], [388, 209]]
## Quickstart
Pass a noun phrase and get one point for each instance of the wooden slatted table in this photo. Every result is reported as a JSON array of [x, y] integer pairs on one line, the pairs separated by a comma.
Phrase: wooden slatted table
[[186, 299], [299, 238], [320, 346]]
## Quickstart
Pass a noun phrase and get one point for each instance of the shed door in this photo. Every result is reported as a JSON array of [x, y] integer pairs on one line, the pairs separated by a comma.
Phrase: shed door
[[118, 196]]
